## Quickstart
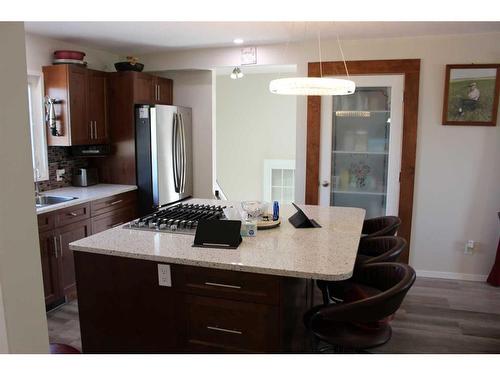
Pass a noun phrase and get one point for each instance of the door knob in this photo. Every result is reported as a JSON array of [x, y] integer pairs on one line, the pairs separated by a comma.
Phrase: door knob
[[325, 183]]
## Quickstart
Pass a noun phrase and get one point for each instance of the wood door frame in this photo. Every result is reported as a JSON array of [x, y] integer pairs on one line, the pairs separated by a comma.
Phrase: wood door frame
[[410, 68]]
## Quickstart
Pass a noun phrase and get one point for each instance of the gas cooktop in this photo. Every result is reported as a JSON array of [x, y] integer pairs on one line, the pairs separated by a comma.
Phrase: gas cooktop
[[181, 218]]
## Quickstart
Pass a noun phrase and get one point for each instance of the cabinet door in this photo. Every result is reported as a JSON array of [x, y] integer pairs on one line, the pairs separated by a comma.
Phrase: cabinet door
[[164, 89], [79, 123], [144, 88], [97, 106], [50, 274], [65, 236]]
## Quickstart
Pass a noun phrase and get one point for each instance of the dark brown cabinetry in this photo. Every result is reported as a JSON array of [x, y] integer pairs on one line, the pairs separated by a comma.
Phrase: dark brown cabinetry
[[125, 89], [163, 90], [50, 274], [205, 310], [57, 229], [150, 89], [82, 111]]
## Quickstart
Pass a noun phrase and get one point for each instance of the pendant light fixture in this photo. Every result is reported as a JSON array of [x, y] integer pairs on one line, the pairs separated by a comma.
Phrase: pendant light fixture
[[236, 73], [315, 85]]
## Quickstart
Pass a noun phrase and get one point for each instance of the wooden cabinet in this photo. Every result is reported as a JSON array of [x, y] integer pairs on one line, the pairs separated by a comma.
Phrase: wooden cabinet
[[144, 88], [48, 246], [150, 89], [57, 229], [66, 265], [220, 325], [125, 90], [82, 110], [97, 106], [205, 310], [164, 90]]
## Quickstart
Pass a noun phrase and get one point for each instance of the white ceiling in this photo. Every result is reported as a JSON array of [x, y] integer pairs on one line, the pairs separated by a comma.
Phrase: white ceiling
[[126, 38]]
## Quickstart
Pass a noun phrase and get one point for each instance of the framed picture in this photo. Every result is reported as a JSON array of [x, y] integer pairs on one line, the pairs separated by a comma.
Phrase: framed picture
[[471, 94]]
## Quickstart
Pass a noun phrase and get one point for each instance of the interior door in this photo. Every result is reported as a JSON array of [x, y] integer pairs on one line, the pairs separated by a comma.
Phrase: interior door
[[360, 150]]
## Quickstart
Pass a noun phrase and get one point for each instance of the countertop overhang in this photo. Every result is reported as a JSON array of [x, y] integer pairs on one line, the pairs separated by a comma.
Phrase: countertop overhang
[[326, 253], [83, 195]]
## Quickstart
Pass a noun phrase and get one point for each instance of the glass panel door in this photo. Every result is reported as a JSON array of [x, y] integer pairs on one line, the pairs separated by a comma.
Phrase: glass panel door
[[360, 149]]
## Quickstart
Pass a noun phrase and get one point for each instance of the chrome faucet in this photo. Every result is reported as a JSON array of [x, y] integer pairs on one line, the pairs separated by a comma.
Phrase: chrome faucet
[[37, 189]]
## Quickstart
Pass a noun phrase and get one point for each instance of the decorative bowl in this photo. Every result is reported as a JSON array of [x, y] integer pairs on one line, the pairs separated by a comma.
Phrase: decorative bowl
[[125, 66], [254, 209]]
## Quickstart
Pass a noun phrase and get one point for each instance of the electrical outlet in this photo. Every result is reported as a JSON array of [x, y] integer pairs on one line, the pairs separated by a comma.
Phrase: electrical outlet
[[469, 247], [164, 276], [59, 174]]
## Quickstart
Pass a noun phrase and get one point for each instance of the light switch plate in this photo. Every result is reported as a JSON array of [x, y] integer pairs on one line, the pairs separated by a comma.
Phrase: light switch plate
[[164, 275]]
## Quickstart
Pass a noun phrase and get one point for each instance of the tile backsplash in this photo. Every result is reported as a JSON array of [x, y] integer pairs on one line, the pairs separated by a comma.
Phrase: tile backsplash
[[61, 158]]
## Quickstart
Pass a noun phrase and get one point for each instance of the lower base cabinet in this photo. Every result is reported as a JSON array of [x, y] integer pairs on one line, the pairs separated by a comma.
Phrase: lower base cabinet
[[57, 229], [123, 309], [58, 268], [50, 267]]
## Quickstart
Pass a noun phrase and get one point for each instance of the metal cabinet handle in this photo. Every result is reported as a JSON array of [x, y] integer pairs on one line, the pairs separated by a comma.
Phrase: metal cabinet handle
[[55, 247], [91, 131], [72, 214], [95, 129], [223, 285], [233, 331], [116, 202], [159, 93], [60, 245]]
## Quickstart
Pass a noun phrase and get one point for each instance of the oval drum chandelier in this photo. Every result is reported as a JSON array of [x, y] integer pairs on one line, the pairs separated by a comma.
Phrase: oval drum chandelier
[[315, 85]]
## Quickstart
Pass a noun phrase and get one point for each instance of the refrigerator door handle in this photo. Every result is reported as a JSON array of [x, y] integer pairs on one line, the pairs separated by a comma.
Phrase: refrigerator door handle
[[183, 154], [174, 153]]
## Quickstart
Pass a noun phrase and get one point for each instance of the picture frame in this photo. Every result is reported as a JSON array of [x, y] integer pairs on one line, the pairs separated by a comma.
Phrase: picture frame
[[471, 94]]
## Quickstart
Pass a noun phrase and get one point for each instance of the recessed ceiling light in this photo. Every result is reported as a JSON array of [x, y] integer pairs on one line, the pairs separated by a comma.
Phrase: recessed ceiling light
[[238, 41]]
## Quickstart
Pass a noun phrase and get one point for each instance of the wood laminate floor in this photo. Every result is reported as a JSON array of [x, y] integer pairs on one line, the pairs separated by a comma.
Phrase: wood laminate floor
[[437, 316]]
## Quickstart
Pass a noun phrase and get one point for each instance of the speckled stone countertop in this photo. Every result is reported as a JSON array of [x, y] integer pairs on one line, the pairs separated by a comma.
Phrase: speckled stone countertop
[[83, 195], [326, 253]]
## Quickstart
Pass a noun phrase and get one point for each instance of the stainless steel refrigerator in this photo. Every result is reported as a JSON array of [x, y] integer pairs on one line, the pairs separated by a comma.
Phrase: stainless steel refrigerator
[[163, 155]]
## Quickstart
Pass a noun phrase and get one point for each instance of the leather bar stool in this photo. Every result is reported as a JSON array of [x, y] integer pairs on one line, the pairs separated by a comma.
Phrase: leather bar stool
[[380, 249], [56, 348], [362, 321], [371, 250], [380, 226]]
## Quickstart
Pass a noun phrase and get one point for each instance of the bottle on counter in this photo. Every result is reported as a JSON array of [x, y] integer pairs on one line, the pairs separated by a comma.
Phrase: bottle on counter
[[276, 211]]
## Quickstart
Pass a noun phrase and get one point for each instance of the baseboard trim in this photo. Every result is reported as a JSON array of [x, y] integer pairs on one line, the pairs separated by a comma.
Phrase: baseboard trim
[[452, 275]]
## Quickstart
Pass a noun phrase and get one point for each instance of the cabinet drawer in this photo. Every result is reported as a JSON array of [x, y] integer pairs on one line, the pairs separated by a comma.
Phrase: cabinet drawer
[[113, 219], [72, 214], [45, 222], [114, 202], [220, 325], [234, 285]]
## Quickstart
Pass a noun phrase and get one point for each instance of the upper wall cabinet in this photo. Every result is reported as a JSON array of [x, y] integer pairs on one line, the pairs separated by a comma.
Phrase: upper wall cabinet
[[81, 111], [149, 89]]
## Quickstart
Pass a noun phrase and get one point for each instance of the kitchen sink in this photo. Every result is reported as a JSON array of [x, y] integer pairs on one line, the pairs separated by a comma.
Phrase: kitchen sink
[[47, 200]]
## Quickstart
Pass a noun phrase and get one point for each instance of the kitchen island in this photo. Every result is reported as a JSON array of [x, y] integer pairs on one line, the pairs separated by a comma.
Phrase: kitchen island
[[250, 299]]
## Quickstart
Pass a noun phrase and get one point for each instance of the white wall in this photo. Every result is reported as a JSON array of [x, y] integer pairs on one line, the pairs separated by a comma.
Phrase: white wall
[[23, 325], [252, 125], [457, 168], [40, 49], [193, 89]]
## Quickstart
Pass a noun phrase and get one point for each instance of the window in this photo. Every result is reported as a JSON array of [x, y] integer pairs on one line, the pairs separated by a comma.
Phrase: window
[[279, 181], [37, 128]]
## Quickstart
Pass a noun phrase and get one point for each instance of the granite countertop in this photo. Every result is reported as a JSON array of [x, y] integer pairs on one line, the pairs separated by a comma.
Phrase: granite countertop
[[83, 195], [326, 253]]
